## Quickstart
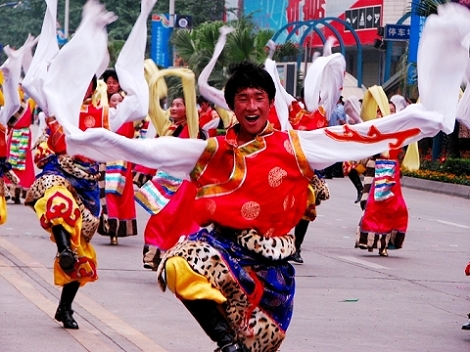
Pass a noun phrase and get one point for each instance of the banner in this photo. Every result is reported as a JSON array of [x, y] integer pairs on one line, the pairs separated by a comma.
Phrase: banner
[[417, 24], [160, 49]]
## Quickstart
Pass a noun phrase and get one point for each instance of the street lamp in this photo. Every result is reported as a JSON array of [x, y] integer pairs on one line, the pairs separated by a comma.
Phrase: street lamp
[[66, 19], [172, 13]]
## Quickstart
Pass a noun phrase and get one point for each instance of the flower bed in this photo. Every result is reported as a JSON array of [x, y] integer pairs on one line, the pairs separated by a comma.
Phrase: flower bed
[[444, 170], [439, 176]]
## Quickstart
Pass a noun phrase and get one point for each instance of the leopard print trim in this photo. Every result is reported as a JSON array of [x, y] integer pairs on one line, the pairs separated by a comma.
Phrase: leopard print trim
[[68, 164], [258, 331], [322, 192], [3, 188], [10, 175], [272, 248], [38, 189]]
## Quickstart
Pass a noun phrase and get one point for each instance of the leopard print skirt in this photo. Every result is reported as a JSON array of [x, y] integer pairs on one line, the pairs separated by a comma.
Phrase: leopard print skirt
[[252, 272], [45, 181]]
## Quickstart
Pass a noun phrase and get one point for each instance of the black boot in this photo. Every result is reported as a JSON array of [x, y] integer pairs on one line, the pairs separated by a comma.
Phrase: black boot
[[466, 326], [214, 324], [356, 180], [299, 231], [64, 311], [67, 257], [296, 257], [17, 197]]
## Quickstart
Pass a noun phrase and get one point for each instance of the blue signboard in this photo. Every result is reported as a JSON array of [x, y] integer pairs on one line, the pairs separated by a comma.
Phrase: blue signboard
[[397, 32], [417, 24], [160, 48]]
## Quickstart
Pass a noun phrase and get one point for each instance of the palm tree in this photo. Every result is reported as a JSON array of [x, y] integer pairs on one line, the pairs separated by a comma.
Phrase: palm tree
[[247, 42]]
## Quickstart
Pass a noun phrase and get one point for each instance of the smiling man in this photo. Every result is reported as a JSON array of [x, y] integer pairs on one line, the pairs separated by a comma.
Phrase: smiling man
[[234, 276]]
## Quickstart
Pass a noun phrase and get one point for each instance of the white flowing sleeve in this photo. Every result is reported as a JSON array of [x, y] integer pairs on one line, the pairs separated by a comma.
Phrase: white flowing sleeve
[[326, 146], [463, 109], [214, 95], [130, 70], [71, 72], [176, 156], [31, 41], [324, 82], [47, 48], [443, 60], [282, 99], [11, 69]]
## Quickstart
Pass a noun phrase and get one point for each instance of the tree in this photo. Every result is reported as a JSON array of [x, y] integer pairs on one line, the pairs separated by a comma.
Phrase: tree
[[200, 10], [247, 42], [17, 22]]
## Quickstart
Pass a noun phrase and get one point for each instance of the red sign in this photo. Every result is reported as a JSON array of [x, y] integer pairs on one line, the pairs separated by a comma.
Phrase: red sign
[[363, 18]]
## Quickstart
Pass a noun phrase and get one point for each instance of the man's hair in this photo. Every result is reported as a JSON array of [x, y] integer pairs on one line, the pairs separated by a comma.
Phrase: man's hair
[[94, 80], [201, 99], [244, 75], [110, 72]]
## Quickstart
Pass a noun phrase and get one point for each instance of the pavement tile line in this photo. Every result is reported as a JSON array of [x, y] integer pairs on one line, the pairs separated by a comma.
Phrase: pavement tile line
[[363, 262], [94, 308], [86, 337]]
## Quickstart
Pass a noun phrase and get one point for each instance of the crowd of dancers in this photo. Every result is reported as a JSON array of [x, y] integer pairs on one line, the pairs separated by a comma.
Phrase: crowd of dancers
[[245, 169]]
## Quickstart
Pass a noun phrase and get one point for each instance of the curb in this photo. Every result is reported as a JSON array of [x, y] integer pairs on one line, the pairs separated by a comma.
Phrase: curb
[[436, 187]]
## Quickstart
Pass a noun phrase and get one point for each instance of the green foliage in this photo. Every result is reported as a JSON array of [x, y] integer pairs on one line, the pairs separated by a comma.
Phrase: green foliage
[[458, 167], [16, 23], [195, 47], [450, 170], [439, 176], [426, 8]]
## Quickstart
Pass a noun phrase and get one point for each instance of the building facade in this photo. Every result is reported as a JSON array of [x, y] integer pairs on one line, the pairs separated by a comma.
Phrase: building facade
[[308, 22]]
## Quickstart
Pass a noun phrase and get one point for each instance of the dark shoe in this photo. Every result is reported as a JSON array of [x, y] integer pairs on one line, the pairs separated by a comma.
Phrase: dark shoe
[[362, 246], [17, 198], [467, 325], [67, 260], [383, 252], [233, 347], [356, 181], [359, 196], [64, 315], [214, 324], [296, 258], [113, 241]]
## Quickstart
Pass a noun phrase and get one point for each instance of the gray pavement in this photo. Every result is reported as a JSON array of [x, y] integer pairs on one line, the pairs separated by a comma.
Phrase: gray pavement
[[346, 299]]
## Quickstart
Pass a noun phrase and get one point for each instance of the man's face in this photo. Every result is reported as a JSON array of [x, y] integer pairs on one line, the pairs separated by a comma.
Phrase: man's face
[[113, 85], [204, 106], [251, 107]]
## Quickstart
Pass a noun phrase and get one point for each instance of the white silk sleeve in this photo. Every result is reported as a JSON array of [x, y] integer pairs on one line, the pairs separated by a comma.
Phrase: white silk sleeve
[[214, 95], [11, 69], [47, 48], [31, 41], [130, 70], [71, 72], [282, 99], [176, 156], [443, 60], [327, 146]]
